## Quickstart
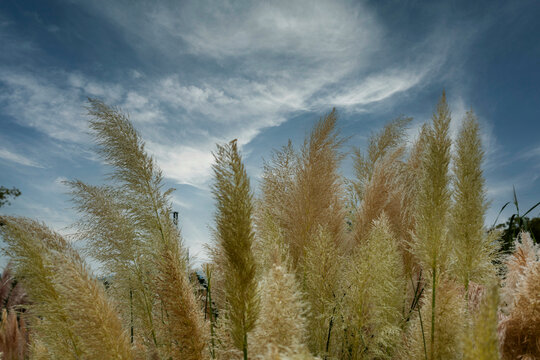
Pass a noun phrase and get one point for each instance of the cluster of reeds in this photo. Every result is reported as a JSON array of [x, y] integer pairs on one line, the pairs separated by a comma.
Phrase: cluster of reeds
[[393, 264]]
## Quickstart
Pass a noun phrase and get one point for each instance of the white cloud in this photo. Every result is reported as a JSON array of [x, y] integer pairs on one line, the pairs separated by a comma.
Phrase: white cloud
[[325, 31], [282, 58], [186, 165], [376, 88], [528, 154], [18, 158], [35, 102]]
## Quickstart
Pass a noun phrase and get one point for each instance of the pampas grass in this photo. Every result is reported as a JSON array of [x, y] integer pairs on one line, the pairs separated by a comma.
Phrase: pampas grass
[[320, 280], [404, 272], [481, 340], [132, 219], [517, 263], [282, 324], [14, 334], [520, 327], [234, 243], [382, 194], [376, 282], [473, 249], [380, 144], [271, 208], [449, 309], [315, 198], [72, 315], [431, 246]]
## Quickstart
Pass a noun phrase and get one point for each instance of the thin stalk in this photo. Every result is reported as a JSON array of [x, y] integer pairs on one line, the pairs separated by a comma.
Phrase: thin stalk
[[433, 294], [417, 293], [131, 314], [244, 346], [330, 325], [209, 297], [467, 291], [423, 335]]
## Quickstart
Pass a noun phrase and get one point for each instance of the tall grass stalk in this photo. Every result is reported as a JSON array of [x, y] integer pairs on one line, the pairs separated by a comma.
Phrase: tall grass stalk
[[375, 297], [315, 198], [234, 237], [473, 249], [131, 231], [430, 244]]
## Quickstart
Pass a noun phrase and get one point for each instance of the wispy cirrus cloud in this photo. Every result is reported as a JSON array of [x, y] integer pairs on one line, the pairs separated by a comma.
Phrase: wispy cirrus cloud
[[18, 158], [267, 60], [36, 102]]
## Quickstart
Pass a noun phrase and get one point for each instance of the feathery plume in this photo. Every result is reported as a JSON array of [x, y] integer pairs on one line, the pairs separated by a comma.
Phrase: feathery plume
[[142, 232], [375, 295], [473, 249], [282, 324], [14, 335], [525, 254], [520, 327], [411, 185], [274, 354], [271, 209], [234, 237], [73, 317], [382, 194], [430, 244], [320, 279], [110, 237], [449, 312], [315, 197], [380, 144], [38, 350], [481, 342]]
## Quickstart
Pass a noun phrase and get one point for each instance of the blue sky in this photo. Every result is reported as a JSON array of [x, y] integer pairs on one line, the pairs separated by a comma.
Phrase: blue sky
[[195, 73]]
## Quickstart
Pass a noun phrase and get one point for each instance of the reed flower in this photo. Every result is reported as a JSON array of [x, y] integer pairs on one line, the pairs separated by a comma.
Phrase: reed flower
[[481, 340], [234, 237], [450, 310], [130, 226], [525, 254], [71, 313], [315, 198], [14, 335], [520, 327], [430, 243], [380, 144], [282, 323], [320, 278], [271, 209], [375, 287], [473, 249]]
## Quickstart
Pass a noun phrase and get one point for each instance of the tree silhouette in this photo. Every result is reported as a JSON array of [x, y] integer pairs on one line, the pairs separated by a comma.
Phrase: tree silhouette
[[6, 193]]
